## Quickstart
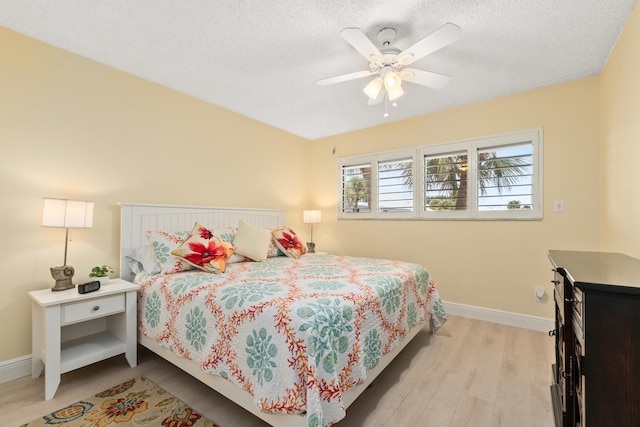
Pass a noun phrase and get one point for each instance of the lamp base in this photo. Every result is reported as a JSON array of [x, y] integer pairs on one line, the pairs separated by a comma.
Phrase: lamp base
[[62, 276], [311, 247]]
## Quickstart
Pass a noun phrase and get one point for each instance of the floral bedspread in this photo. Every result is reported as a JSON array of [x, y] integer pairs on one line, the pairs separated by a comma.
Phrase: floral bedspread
[[295, 333]]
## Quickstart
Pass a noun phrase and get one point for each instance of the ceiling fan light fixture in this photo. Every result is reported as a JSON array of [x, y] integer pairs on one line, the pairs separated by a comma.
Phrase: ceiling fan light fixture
[[373, 88], [388, 65], [395, 93], [391, 80]]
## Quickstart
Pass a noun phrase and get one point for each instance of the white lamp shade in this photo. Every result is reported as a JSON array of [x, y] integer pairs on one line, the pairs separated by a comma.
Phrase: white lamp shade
[[391, 80], [395, 93], [63, 213], [311, 217], [373, 88]]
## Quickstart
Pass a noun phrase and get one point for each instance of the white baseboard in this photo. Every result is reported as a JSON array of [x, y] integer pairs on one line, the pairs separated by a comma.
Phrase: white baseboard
[[21, 366], [497, 316], [15, 368]]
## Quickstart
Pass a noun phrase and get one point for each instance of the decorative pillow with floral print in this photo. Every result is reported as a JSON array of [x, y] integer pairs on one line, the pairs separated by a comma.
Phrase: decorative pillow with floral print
[[229, 234], [205, 250], [274, 251], [288, 242], [163, 243]]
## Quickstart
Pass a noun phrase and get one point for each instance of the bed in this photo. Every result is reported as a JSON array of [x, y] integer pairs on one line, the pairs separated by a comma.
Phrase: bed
[[293, 340]]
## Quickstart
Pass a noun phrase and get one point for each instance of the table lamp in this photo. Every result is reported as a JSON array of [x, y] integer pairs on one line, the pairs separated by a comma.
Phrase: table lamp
[[62, 213], [311, 217]]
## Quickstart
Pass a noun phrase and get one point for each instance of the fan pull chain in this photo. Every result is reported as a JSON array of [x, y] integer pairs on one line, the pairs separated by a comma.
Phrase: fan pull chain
[[386, 105]]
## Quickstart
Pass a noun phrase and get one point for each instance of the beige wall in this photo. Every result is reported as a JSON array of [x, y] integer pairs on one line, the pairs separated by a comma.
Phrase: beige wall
[[72, 128], [620, 144], [492, 264]]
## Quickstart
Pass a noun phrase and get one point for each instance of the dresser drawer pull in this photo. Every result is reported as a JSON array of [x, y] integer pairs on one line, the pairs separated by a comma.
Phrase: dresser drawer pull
[[96, 308]]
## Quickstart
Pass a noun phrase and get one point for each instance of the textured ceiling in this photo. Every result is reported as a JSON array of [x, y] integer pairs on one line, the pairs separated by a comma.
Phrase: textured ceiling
[[262, 58]]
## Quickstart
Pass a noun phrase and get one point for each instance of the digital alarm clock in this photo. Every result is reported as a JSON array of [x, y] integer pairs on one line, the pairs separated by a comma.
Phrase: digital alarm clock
[[85, 288]]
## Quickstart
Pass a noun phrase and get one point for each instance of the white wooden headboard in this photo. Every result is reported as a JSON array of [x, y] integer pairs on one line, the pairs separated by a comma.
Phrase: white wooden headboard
[[138, 218]]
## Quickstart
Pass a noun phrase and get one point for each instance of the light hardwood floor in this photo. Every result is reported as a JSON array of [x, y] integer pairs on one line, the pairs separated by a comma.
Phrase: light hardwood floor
[[470, 373]]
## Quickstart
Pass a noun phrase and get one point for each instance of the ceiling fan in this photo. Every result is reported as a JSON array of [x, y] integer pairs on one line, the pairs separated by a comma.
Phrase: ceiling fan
[[389, 64]]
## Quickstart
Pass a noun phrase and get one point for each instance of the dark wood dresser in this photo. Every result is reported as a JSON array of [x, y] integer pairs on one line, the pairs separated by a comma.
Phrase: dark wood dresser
[[596, 374]]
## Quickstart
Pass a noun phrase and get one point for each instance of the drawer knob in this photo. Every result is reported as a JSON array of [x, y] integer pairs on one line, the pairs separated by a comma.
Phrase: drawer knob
[[96, 308]]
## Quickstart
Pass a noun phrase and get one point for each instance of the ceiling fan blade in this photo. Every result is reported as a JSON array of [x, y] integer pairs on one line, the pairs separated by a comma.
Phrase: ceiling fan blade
[[424, 78], [441, 37], [343, 78], [360, 42]]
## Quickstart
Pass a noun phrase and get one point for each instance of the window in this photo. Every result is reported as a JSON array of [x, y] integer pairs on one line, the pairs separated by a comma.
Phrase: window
[[445, 181], [378, 186], [505, 177], [496, 177], [356, 188], [395, 185]]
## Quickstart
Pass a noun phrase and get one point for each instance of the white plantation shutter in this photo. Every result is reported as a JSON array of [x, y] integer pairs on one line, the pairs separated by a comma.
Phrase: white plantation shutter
[[495, 177], [445, 182], [356, 188], [378, 186], [509, 176], [515, 190], [395, 185]]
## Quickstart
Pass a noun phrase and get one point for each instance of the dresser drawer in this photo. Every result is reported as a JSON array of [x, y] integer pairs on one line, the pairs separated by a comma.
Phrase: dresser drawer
[[91, 309]]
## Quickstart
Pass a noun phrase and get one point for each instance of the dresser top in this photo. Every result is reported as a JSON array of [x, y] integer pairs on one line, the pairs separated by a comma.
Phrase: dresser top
[[591, 270]]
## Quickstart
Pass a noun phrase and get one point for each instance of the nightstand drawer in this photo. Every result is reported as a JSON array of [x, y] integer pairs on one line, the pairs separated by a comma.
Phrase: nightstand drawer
[[91, 309]]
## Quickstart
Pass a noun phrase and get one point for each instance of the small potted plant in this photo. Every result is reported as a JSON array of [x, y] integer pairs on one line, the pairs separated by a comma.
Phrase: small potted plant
[[101, 273]]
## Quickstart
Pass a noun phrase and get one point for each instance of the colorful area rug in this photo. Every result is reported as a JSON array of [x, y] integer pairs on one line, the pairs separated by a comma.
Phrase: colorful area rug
[[137, 402]]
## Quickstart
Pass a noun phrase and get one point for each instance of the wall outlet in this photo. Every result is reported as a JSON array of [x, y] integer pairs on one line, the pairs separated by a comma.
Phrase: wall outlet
[[539, 294], [558, 205]]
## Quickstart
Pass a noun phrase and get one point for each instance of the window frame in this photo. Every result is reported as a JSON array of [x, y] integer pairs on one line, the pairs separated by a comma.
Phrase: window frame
[[443, 150], [375, 160], [471, 147]]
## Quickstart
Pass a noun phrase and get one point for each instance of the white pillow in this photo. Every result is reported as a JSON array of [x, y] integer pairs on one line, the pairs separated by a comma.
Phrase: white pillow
[[252, 242]]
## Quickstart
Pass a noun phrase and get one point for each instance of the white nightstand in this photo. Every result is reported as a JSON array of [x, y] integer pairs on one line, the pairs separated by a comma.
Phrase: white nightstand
[[72, 330]]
